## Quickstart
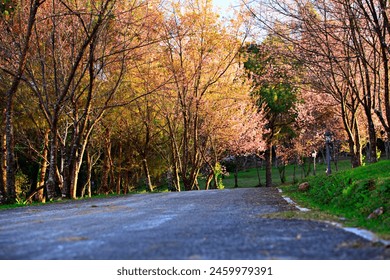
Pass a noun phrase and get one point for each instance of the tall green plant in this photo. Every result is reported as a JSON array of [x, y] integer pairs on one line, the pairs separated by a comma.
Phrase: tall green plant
[[273, 78]]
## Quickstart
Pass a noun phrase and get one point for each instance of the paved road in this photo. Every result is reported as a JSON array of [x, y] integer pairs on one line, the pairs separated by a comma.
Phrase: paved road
[[189, 225]]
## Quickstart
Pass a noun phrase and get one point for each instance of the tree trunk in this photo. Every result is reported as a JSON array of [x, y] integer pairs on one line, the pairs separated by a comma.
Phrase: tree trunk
[[208, 180], [66, 191], [74, 171], [87, 185], [372, 149], [147, 175], [119, 173], [176, 178], [314, 166], [76, 160], [175, 154], [282, 173], [268, 166], [356, 156], [236, 175], [71, 166], [215, 181], [106, 164], [258, 174], [39, 196], [336, 155], [10, 146], [126, 182], [9, 129], [118, 182], [187, 183], [51, 180], [105, 174], [3, 177], [76, 156], [295, 172], [196, 185], [306, 164]]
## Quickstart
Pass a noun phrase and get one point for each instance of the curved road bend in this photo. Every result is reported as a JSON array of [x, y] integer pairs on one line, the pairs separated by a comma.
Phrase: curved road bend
[[189, 225]]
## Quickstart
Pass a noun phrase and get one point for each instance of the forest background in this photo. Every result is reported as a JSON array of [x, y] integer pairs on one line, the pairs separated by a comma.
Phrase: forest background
[[103, 97]]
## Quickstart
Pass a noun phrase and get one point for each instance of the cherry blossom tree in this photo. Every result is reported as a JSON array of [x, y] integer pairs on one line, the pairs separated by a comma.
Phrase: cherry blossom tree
[[200, 51], [340, 43]]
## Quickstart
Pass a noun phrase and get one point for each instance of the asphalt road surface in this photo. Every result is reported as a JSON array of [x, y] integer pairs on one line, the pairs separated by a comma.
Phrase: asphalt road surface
[[220, 224]]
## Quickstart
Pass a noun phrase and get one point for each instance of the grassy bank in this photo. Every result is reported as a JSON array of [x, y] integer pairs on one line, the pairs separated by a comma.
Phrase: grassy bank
[[353, 194]]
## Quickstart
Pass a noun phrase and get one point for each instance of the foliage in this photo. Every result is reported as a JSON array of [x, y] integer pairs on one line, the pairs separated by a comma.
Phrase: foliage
[[278, 99], [274, 78], [342, 46], [131, 92], [22, 185], [114, 94], [7, 7], [218, 172]]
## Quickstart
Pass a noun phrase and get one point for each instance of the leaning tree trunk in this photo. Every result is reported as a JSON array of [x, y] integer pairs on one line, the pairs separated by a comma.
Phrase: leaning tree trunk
[[147, 175], [208, 180]]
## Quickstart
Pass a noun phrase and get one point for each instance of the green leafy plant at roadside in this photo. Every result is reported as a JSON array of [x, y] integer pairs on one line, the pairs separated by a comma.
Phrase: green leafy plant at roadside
[[218, 173], [21, 201]]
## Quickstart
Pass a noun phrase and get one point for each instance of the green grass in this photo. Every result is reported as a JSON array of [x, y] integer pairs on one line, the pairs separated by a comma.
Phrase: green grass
[[249, 178], [12, 206], [352, 194], [18, 205]]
